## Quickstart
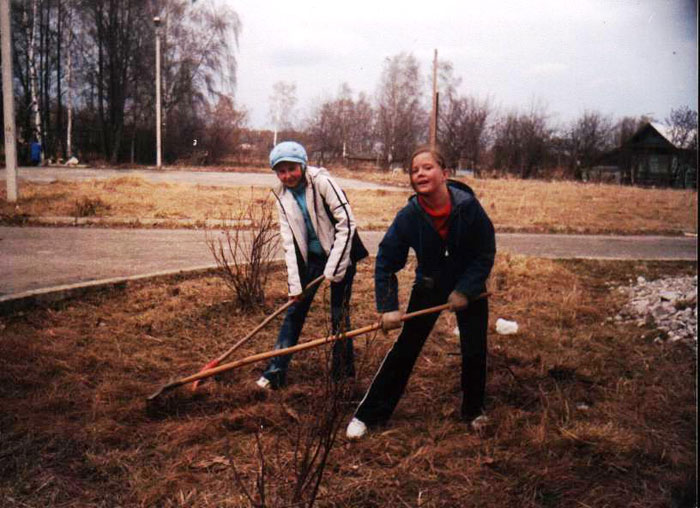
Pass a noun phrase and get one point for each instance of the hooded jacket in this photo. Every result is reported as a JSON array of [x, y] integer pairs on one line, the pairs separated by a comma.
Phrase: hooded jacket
[[323, 196], [462, 262]]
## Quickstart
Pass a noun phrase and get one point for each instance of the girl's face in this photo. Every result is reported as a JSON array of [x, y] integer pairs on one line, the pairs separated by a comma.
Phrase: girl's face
[[426, 174], [289, 173]]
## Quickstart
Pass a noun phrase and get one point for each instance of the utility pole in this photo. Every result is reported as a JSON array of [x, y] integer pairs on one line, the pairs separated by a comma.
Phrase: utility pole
[[156, 22], [274, 136], [434, 112], [8, 103]]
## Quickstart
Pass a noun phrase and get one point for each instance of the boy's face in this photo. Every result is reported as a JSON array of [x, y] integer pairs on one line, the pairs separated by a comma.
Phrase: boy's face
[[289, 173]]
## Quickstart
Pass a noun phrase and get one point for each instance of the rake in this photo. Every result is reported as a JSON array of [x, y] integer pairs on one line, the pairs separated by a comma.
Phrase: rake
[[290, 350], [215, 363]]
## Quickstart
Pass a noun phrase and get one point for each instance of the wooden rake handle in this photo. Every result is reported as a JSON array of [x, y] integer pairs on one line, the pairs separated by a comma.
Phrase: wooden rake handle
[[262, 325], [294, 349], [215, 363]]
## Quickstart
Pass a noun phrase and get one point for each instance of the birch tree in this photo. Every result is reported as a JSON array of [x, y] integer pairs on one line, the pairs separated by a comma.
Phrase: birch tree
[[31, 26], [401, 120], [69, 79], [282, 101]]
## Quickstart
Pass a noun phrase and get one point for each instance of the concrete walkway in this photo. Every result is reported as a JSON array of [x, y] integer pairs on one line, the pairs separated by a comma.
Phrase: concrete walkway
[[55, 261]]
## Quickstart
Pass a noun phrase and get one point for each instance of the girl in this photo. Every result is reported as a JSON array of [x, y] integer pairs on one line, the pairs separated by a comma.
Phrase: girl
[[455, 246], [319, 238]]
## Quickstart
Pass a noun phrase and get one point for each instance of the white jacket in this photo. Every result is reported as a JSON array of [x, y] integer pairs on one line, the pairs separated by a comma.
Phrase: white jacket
[[335, 240]]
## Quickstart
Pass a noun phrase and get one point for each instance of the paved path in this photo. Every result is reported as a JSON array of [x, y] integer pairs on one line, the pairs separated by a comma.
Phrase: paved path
[[37, 258], [215, 178]]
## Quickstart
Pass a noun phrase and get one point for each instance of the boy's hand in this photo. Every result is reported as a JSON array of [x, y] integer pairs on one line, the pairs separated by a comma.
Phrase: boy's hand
[[457, 301], [391, 320]]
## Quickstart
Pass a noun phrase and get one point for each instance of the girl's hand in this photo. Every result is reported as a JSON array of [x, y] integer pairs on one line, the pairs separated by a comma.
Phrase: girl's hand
[[457, 301], [391, 320]]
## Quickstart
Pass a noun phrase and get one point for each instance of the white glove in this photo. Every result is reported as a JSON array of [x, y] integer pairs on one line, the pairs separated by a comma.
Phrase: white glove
[[391, 320]]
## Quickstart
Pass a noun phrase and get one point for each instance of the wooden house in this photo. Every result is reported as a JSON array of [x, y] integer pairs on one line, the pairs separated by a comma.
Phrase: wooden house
[[648, 158]]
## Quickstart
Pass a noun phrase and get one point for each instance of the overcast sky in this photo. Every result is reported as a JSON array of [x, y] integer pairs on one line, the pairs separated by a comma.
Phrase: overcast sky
[[619, 57]]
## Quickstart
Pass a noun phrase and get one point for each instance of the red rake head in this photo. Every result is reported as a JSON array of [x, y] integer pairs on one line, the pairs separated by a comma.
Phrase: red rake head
[[210, 365]]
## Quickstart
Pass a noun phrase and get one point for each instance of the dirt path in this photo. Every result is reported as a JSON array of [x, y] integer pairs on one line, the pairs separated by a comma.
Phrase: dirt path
[[41, 258]]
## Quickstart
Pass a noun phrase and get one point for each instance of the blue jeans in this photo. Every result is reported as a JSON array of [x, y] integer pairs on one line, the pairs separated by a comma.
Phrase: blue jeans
[[343, 355]]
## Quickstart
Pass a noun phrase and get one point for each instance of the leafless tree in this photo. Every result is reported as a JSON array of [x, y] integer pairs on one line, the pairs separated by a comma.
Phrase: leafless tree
[[462, 122], [110, 66], [33, 31], [683, 123], [282, 102], [588, 137], [522, 141], [341, 125], [325, 131], [361, 126], [224, 127], [70, 44], [116, 28], [199, 66], [401, 119]]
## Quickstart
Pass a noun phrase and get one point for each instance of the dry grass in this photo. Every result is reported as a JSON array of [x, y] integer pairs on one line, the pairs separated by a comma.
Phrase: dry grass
[[583, 412], [586, 208], [565, 206], [131, 197], [513, 205]]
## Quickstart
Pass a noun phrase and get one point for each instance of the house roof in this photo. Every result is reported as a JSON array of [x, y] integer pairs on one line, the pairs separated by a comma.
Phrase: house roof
[[648, 136], [663, 129]]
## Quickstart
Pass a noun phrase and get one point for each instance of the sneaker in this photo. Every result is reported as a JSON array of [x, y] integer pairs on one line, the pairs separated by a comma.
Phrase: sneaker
[[356, 429], [479, 423], [263, 382]]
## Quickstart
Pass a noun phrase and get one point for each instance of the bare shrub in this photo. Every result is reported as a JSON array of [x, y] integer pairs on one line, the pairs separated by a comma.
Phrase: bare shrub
[[244, 249], [290, 469], [14, 218], [88, 207]]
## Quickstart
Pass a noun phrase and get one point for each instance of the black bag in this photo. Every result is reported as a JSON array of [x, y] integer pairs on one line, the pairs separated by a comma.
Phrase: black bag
[[358, 250]]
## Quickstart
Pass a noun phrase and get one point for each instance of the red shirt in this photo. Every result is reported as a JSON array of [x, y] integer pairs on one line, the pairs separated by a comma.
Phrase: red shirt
[[439, 217]]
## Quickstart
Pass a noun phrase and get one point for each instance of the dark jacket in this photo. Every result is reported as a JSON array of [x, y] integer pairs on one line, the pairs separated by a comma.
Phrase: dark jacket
[[463, 262]]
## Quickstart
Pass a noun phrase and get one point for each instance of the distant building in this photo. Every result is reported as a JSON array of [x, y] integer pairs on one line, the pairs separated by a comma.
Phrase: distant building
[[647, 158], [362, 160]]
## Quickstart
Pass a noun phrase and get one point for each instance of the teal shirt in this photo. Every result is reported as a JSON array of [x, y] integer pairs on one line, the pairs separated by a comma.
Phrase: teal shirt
[[299, 193]]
